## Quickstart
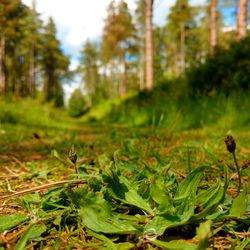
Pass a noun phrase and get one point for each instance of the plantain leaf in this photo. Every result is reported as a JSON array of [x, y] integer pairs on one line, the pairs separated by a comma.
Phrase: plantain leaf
[[121, 190], [163, 221], [191, 182], [9, 221], [215, 196], [239, 205], [96, 214], [174, 245], [203, 234], [34, 231]]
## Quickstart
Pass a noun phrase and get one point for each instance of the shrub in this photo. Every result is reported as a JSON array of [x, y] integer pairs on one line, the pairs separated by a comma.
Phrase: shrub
[[228, 71], [77, 104]]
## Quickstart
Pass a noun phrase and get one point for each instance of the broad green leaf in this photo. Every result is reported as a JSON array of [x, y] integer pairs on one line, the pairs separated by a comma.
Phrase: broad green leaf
[[158, 191], [215, 196], [239, 205], [191, 182], [124, 192], [203, 234], [96, 214], [101, 222], [34, 231], [107, 242], [164, 221], [211, 204], [174, 245], [9, 221]]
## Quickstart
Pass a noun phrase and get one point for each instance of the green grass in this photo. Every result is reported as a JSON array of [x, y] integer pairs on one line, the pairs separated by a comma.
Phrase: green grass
[[166, 108], [146, 187]]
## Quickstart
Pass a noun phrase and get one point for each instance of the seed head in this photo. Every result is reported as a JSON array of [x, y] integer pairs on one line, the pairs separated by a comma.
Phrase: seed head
[[230, 143], [72, 155]]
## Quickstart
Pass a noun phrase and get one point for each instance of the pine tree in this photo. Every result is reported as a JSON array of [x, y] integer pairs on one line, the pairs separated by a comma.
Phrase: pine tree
[[118, 41], [242, 17], [213, 26], [180, 23], [89, 70], [55, 65], [140, 31], [8, 12], [149, 44]]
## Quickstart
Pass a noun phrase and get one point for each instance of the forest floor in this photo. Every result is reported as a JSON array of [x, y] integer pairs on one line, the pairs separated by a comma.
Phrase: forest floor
[[32, 157]]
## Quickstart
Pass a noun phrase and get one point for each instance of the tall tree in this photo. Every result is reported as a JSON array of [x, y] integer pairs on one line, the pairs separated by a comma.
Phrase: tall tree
[[89, 70], [242, 16], [140, 27], [118, 40], [180, 21], [55, 65], [213, 26], [8, 10], [149, 44]]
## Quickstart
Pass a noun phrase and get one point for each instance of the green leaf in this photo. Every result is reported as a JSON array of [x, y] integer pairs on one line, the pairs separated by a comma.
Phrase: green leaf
[[34, 231], [203, 234], [211, 199], [174, 245], [191, 182], [125, 192], [96, 214], [244, 245], [164, 221], [9, 221], [239, 205]]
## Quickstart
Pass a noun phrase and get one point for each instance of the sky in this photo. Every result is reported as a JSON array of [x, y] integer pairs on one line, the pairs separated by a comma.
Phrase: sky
[[79, 20]]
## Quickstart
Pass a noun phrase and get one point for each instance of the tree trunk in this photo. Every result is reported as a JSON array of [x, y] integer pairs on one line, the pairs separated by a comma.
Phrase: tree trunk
[[242, 19], [213, 26], [149, 45], [2, 68], [122, 81], [31, 81], [142, 68], [182, 49]]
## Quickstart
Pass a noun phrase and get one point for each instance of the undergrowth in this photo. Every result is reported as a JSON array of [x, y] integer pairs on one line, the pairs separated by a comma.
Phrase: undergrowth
[[126, 200]]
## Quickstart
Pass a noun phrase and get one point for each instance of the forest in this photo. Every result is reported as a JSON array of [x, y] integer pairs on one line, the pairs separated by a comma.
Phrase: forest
[[151, 150]]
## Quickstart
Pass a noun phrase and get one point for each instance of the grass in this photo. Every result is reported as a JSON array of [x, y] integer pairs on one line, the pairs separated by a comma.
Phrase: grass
[[135, 187]]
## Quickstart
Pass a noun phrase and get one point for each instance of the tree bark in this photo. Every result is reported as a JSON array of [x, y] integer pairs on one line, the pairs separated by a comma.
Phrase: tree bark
[[242, 19], [2, 66], [31, 81], [122, 81], [182, 48], [213, 26], [149, 45]]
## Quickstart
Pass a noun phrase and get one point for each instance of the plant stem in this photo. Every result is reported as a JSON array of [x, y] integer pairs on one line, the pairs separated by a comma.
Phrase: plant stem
[[238, 171], [44, 187]]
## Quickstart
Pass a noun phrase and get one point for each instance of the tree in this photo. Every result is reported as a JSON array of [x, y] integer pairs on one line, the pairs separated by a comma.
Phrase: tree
[[118, 41], [55, 65], [77, 104], [89, 70], [140, 30], [242, 19], [180, 22], [149, 45], [213, 26], [8, 9]]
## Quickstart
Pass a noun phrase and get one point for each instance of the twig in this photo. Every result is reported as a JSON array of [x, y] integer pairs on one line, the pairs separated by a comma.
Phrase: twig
[[44, 187], [20, 163]]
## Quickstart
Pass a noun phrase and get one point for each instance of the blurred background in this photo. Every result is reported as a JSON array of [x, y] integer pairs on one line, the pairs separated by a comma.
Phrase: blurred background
[[174, 64]]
